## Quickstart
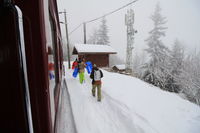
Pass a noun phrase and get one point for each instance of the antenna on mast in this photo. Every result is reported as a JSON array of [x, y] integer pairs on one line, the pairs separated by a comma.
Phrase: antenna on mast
[[129, 21]]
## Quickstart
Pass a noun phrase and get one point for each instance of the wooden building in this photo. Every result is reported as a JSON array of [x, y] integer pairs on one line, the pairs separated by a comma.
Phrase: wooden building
[[96, 53], [119, 68]]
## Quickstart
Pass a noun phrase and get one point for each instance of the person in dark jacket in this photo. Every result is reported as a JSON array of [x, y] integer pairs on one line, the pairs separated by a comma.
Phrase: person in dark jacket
[[96, 76]]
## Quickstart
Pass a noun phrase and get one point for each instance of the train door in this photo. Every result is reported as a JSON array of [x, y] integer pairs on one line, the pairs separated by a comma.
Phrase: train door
[[15, 112]]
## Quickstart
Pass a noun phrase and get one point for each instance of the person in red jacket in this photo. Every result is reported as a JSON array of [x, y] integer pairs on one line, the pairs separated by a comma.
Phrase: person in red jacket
[[75, 64], [51, 70]]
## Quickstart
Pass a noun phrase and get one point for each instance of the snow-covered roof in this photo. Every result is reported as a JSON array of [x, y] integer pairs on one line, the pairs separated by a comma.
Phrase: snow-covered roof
[[93, 48], [120, 67]]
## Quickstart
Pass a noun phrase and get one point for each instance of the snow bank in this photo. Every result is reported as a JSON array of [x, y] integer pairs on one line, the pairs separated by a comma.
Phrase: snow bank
[[165, 112]]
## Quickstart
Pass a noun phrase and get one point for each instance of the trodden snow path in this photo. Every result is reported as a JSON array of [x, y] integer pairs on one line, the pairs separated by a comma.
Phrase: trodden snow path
[[107, 116]]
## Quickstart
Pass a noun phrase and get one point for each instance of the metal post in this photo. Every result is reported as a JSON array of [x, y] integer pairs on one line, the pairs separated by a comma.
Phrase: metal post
[[84, 30], [68, 52]]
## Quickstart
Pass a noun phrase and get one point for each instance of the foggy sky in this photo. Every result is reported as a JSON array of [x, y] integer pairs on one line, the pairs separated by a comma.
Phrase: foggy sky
[[183, 21]]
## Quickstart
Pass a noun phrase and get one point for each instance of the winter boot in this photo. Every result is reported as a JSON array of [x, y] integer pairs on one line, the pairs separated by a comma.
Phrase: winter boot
[[99, 100], [93, 92]]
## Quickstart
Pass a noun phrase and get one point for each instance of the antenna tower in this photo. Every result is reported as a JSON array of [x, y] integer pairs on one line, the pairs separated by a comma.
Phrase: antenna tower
[[129, 21]]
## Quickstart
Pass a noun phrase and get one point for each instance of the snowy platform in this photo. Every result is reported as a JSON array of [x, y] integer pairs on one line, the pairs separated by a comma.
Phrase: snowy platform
[[129, 105], [65, 119]]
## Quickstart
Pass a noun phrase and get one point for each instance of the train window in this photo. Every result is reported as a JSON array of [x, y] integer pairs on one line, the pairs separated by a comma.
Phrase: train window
[[52, 67], [52, 56], [51, 51]]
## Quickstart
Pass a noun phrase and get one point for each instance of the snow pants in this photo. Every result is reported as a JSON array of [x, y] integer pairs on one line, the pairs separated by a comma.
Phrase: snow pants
[[94, 86], [81, 77]]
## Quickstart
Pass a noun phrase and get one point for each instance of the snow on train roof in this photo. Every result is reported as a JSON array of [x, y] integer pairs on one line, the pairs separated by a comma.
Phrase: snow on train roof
[[93, 48]]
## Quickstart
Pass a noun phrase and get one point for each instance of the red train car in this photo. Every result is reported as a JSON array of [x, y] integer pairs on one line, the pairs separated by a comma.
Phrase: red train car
[[31, 65]]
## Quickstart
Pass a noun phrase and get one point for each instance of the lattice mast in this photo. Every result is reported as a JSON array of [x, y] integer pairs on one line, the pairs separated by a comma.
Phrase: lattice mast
[[129, 21]]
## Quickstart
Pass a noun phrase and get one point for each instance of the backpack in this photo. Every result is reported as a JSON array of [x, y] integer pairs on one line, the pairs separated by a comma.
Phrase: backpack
[[97, 75]]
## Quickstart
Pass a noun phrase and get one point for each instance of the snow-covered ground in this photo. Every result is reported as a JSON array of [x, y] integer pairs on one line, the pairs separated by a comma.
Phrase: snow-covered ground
[[65, 120], [129, 105]]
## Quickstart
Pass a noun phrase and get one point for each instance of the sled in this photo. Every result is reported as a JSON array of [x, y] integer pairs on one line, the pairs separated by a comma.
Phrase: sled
[[75, 73], [88, 67]]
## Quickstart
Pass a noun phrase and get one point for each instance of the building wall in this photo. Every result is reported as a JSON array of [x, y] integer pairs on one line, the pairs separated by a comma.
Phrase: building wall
[[101, 60]]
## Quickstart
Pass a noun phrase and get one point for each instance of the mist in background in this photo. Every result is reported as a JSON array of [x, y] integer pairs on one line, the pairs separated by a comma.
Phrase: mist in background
[[183, 21]]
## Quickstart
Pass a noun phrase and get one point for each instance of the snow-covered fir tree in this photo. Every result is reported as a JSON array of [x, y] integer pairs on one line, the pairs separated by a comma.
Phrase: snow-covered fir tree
[[176, 66], [159, 53], [177, 55], [103, 37], [190, 77], [94, 37], [138, 64]]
